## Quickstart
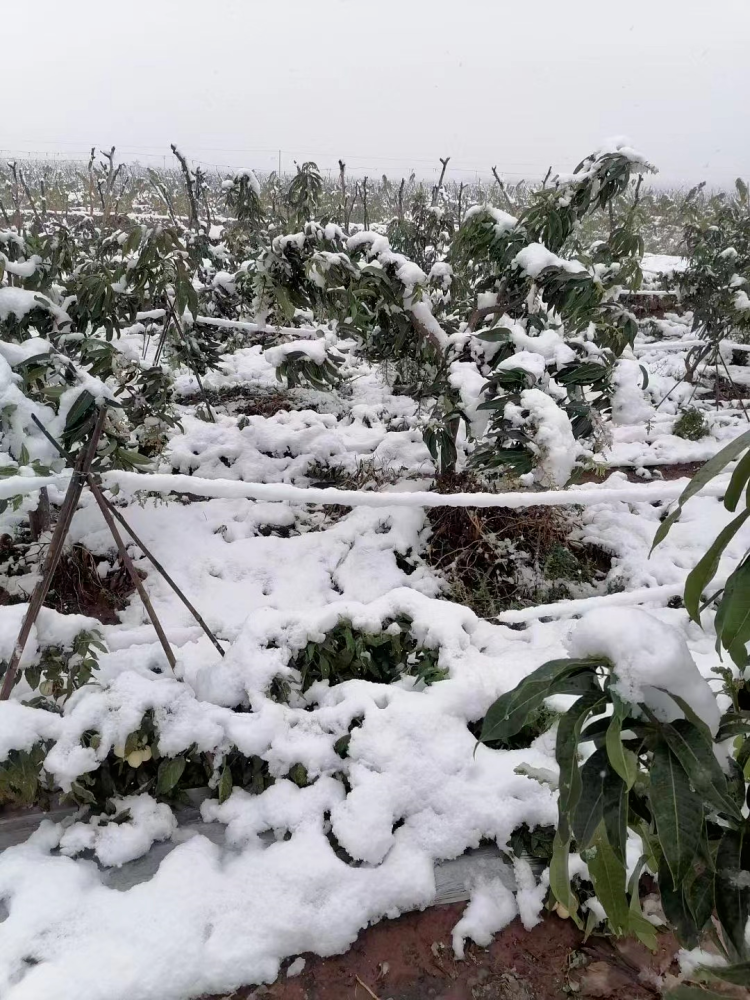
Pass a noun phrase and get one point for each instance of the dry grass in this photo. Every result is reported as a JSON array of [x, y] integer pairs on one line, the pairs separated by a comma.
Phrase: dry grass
[[497, 558]]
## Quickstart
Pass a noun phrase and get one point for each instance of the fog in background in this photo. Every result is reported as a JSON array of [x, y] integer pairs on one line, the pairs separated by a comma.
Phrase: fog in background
[[388, 85]]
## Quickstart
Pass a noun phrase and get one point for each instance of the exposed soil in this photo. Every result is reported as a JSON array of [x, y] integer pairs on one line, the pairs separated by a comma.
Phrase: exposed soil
[[411, 959], [645, 304], [492, 556], [250, 400], [77, 588], [675, 471]]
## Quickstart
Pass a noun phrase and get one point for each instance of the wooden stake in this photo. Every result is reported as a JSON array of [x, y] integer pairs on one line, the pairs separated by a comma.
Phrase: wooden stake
[[100, 497], [133, 573], [68, 509]]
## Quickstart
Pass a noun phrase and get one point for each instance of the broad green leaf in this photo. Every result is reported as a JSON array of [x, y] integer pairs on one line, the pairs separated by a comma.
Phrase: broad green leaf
[[732, 622], [495, 335], [643, 929], [733, 725], [170, 772], [699, 895], [737, 483], [559, 879], [732, 898], [225, 783], [663, 530], [689, 712], [78, 410], [608, 877], [566, 752], [696, 755], [616, 812], [509, 713], [677, 811], [676, 909], [703, 573], [589, 812], [738, 974], [624, 761]]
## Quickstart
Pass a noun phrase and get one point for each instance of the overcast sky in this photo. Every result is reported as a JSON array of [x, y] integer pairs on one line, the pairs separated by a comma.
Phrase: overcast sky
[[389, 85]]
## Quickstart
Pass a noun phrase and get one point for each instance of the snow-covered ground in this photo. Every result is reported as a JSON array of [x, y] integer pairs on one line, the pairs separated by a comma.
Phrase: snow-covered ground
[[360, 841]]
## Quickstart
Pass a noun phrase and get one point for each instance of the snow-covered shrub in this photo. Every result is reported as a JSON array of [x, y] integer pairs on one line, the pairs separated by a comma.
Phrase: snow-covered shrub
[[347, 652], [655, 772], [690, 425]]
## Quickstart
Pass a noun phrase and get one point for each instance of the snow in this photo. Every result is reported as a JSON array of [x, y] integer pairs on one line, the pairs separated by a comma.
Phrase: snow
[[271, 567], [492, 907], [553, 441], [535, 257], [661, 263], [18, 302], [315, 350], [138, 821], [528, 361], [648, 658], [629, 405]]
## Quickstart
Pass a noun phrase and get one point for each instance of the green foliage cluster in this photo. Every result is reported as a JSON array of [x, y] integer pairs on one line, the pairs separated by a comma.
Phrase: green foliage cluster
[[349, 653]]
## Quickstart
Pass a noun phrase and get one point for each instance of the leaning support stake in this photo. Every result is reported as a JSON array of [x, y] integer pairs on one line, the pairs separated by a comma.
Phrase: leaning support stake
[[68, 509], [101, 498], [133, 572]]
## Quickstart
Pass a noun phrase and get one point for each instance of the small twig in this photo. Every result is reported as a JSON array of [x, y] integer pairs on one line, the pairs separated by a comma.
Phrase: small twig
[[438, 186], [183, 338], [501, 185], [133, 572], [367, 988]]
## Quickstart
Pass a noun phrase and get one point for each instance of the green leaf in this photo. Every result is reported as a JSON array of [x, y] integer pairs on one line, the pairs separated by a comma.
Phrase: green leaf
[[616, 812], [607, 873], [696, 755], [732, 622], [559, 878], [170, 772], [509, 713], [677, 811], [495, 335], [738, 974], [732, 898], [589, 812], [688, 712], [737, 483], [703, 573], [676, 909], [225, 783], [699, 895], [78, 410], [624, 761], [566, 752]]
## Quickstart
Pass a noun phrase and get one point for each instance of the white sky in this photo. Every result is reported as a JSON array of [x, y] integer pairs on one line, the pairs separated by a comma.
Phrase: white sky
[[389, 85]]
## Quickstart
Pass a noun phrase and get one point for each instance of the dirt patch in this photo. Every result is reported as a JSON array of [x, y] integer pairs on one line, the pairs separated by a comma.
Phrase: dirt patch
[[249, 400], [78, 589], [411, 959], [676, 471], [499, 558]]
